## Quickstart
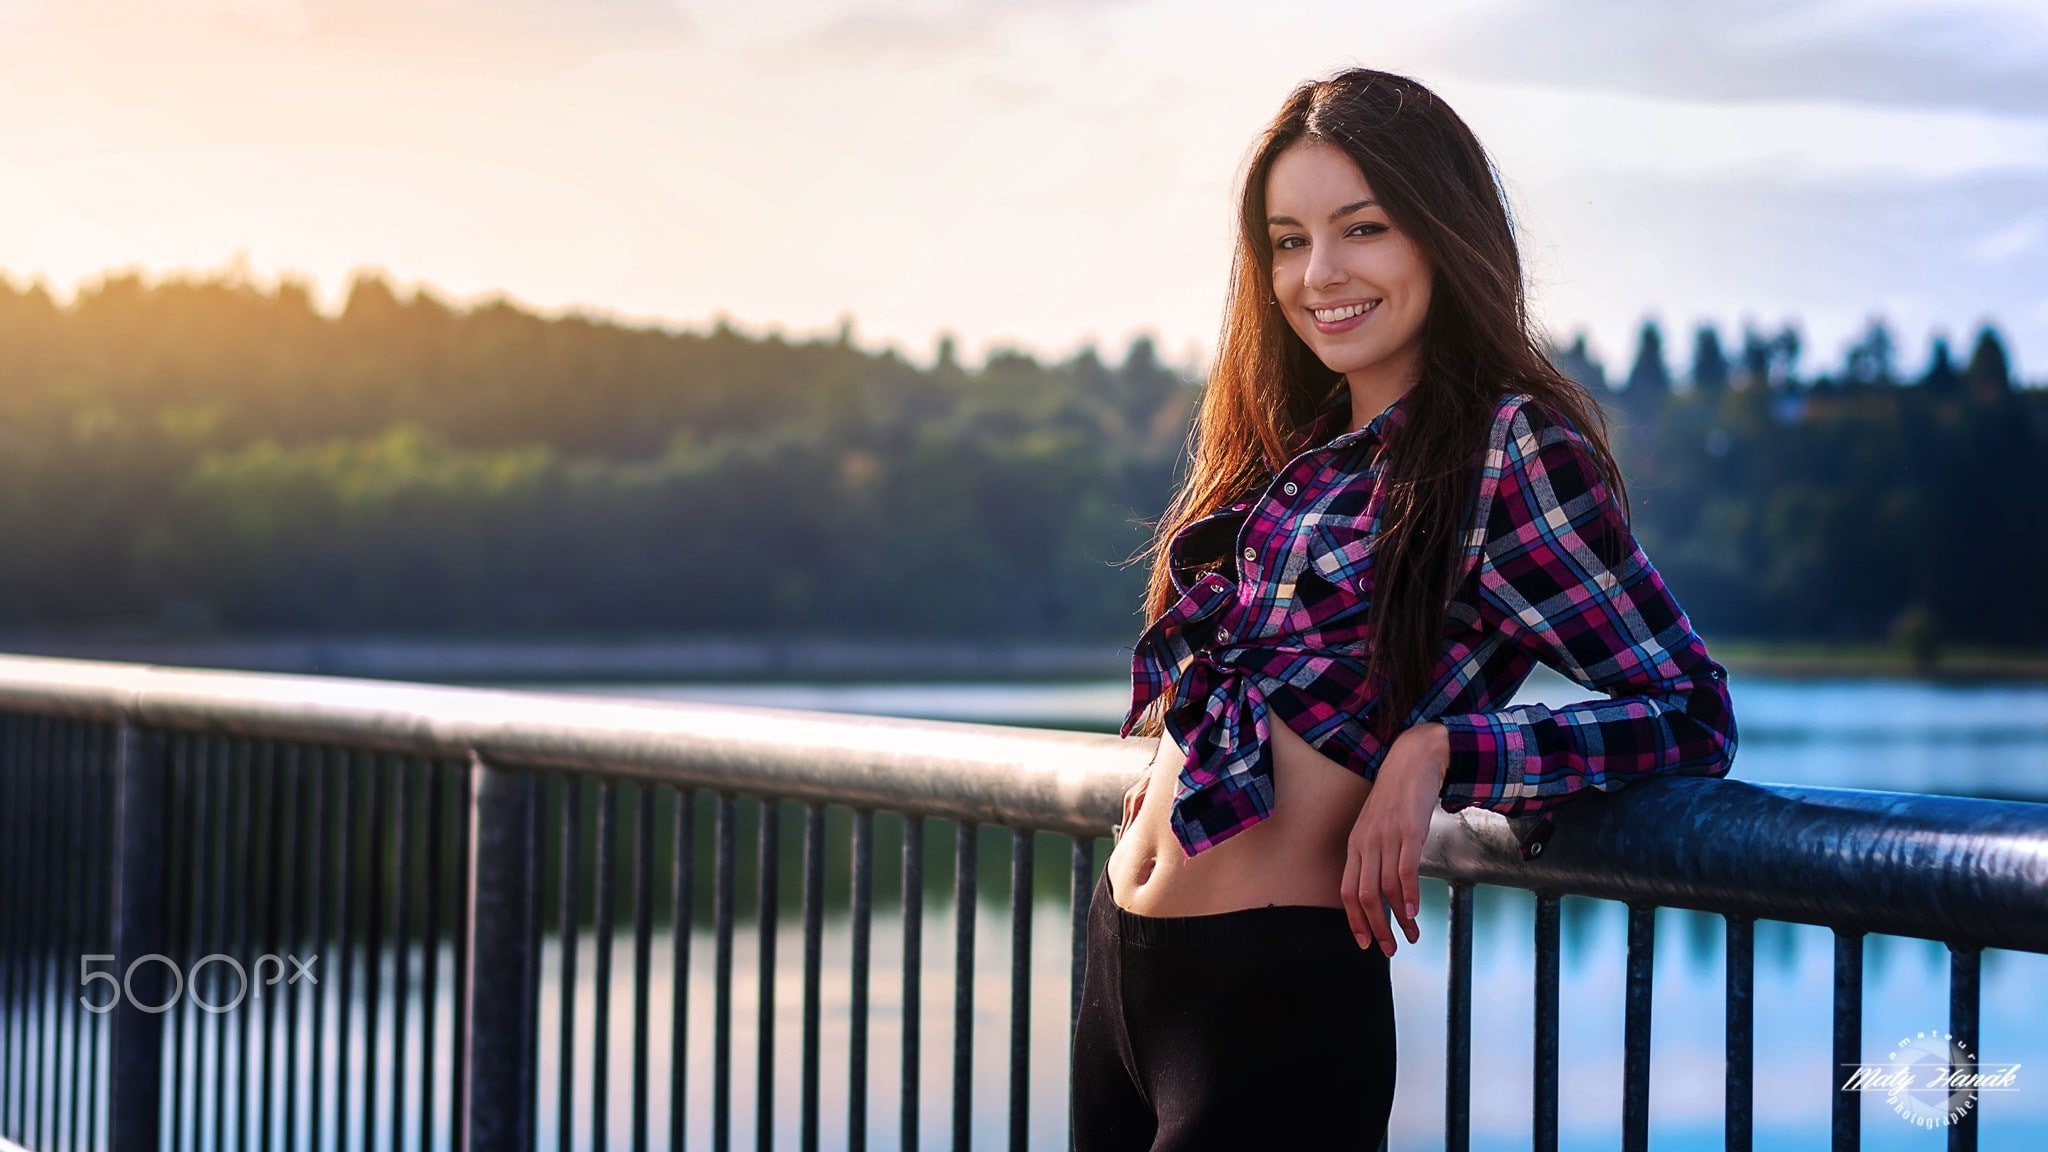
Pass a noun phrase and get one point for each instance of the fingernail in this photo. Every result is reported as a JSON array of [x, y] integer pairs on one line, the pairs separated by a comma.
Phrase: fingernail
[[1362, 941], [1388, 947], [1411, 911]]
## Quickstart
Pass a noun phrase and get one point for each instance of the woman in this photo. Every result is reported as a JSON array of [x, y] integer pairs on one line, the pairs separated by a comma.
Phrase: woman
[[1397, 506]]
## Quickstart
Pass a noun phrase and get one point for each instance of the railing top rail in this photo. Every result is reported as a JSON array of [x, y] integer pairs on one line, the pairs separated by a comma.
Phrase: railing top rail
[[1061, 782], [1968, 871]]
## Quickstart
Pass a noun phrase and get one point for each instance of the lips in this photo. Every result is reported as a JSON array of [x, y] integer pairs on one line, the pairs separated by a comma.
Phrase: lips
[[1342, 317]]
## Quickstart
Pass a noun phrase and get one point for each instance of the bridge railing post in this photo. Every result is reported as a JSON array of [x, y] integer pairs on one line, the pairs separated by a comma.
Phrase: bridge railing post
[[135, 1067], [500, 1037]]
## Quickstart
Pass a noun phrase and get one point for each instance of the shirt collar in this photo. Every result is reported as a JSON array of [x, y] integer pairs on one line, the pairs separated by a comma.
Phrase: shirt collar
[[1327, 426]]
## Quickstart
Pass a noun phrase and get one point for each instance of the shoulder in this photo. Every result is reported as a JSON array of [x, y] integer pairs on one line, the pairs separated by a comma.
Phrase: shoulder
[[1540, 476], [1523, 427]]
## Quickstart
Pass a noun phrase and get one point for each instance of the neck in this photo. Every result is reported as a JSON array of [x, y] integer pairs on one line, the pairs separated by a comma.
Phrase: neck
[[1372, 396], [1378, 385]]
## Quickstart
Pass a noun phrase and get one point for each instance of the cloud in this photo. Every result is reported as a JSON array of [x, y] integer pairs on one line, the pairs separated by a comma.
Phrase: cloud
[[888, 38], [1980, 57], [156, 40]]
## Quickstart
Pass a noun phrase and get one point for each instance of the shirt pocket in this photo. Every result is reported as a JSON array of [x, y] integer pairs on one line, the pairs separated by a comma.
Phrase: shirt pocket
[[1340, 551]]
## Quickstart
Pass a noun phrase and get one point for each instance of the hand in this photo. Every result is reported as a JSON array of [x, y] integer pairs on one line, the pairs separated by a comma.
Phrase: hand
[[1385, 847], [1134, 798]]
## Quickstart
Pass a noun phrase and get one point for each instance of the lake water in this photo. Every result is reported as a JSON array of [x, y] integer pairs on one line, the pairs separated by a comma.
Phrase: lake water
[[1989, 740]]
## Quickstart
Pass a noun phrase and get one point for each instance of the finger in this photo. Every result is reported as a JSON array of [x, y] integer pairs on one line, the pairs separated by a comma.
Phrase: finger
[[1371, 906], [1386, 890], [1349, 892], [1411, 889]]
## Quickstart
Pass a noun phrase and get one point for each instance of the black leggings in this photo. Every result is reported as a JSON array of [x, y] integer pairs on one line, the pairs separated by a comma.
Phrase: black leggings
[[1266, 1028]]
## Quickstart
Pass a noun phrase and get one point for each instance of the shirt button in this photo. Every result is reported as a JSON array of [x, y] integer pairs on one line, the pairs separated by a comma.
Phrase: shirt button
[[1251, 554], [1215, 585], [1290, 488], [1223, 634]]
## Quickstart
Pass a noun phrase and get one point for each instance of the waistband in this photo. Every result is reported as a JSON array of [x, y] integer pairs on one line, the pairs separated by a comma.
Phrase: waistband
[[1248, 925]]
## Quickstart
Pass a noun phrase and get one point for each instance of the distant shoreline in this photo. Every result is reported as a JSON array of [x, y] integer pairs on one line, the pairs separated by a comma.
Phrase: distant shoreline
[[843, 658]]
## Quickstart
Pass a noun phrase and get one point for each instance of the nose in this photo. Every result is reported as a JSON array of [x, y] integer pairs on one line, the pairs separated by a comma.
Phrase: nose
[[1320, 270]]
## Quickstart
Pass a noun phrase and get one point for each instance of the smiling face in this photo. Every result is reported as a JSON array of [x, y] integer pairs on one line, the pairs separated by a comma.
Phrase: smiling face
[[1351, 284]]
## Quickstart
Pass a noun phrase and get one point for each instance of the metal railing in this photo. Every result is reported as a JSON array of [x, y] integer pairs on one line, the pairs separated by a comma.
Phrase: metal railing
[[171, 826]]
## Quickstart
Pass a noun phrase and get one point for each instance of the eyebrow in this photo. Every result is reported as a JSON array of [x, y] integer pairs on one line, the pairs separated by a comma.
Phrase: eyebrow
[[1339, 214]]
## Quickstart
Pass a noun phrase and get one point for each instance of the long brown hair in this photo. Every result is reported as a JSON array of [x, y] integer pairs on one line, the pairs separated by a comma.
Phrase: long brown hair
[[1436, 183]]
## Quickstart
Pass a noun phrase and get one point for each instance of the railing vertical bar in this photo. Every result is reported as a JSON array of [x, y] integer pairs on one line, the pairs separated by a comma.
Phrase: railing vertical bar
[[209, 895], [601, 1006], [41, 851], [70, 828], [330, 868], [724, 883], [22, 893], [22, 988], [279, 794], [255, 883], [46, 921], [1021, 868], [643, 951], [373, 945], [1739, 1098], [913, 969], [965, 837], [766, 903], [55, 818], [35, 853], [180, 850], [135, 1071], [571, 788], [814, 938], [431, 925], [71, 1020], [100, 807], [348, 803], [857, 1000], [1080, 894], [1965, 970], [1458, 1025], [1543, 1124], [499, 1014], [233, 755], [12, 933], [682, 896], [14, 937], [294, 932], [403, 781], [469, 798], [1847, 1112], [1635, 1082]]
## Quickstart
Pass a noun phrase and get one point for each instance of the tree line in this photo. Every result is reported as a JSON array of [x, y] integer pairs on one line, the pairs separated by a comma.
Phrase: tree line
[[211, 454]]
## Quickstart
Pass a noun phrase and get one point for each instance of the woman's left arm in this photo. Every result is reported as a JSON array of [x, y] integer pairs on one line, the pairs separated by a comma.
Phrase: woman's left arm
[[1561, 577]]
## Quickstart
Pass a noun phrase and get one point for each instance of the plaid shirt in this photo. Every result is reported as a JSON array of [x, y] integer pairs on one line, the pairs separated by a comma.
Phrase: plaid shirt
[[1549, 571]]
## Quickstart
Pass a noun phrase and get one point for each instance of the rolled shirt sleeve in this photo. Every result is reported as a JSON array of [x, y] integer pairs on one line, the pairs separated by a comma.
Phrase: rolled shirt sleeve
[[1561, 579]]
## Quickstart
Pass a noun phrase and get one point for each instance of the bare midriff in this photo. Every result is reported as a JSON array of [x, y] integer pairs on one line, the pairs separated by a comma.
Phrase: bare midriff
[[1294, 856]]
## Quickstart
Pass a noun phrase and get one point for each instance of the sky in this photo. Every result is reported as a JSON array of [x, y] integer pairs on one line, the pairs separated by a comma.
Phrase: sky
[[1041, 174]]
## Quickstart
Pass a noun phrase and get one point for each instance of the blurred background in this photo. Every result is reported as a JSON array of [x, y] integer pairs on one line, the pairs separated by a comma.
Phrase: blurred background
[[623, 319], [837, 354]]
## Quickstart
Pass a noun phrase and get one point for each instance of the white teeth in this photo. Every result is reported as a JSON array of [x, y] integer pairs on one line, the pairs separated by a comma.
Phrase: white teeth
[[1332, 315]]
